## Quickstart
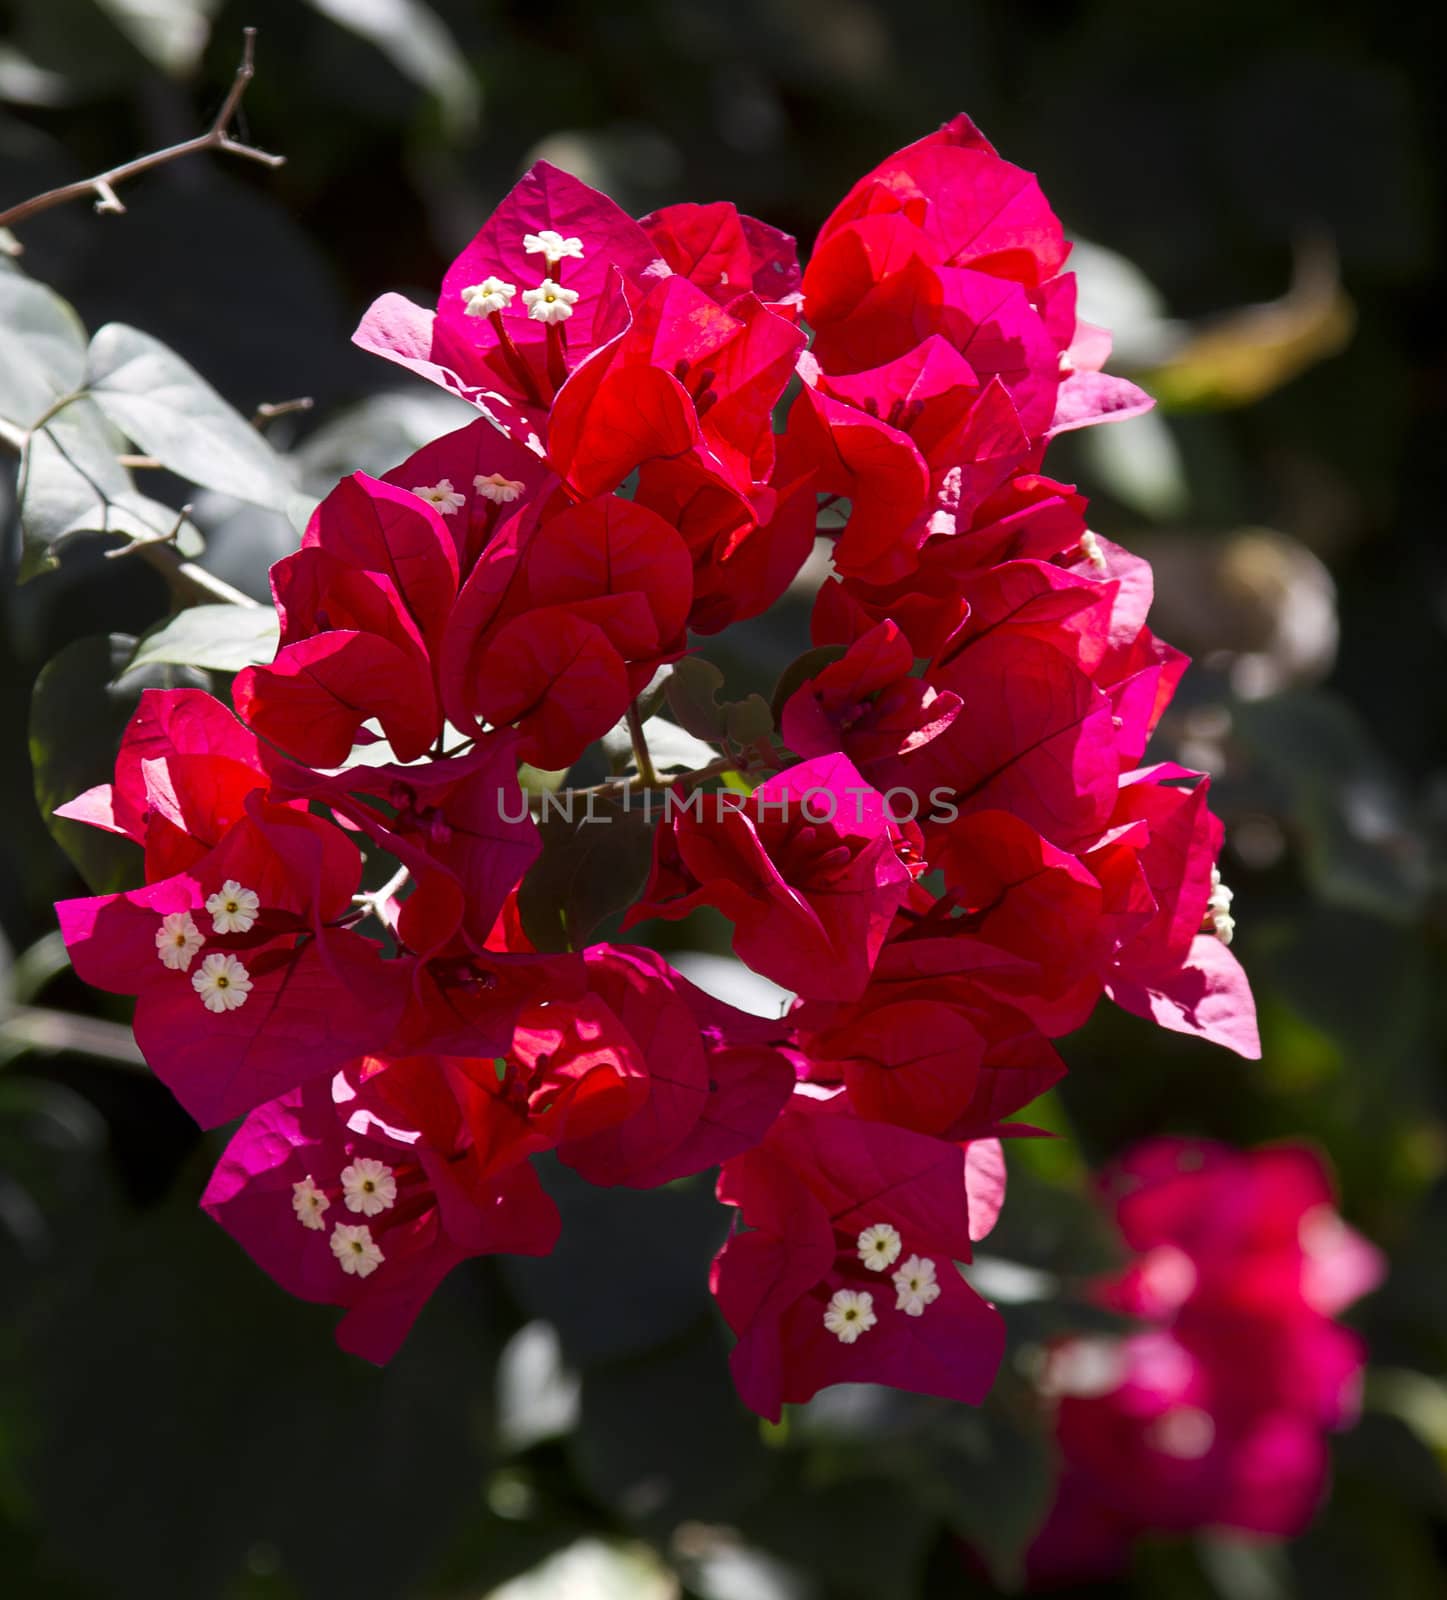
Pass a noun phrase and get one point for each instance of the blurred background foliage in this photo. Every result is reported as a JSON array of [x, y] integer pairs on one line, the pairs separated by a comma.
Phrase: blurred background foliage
[[1260, 221]]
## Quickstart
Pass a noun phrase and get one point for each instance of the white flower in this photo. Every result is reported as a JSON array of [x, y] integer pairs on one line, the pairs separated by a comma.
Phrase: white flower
[[550, 302], [850, 1312], [368, 1186], [1090, 549], [879, 1246], [1218, 909], [500, 490], [441, 496], [223, 983], [309, 1202], [915, 1286], [485, 298], [552, 245], [177, 940], [356, 1249], [233, 909]]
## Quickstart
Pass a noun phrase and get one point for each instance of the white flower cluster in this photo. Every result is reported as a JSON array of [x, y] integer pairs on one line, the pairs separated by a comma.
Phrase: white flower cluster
[[447, 501], [368, 1187], [1218, 909], [850, 1313], [222, 981]]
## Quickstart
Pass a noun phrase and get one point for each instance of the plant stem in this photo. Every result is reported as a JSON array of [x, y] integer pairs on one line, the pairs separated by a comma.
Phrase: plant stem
[[187, 578], [640, 748], [216, 137]]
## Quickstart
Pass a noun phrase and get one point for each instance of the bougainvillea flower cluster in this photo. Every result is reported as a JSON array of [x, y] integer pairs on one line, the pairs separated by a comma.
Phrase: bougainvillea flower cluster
[[1214, 1411], [948, 851]]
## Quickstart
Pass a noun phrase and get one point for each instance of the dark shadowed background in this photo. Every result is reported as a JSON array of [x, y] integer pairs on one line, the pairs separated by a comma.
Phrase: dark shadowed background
[[1260, 216]]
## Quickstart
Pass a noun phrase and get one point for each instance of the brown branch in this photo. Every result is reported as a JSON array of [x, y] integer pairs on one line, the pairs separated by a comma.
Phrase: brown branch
[[216, 137], [265, 412]]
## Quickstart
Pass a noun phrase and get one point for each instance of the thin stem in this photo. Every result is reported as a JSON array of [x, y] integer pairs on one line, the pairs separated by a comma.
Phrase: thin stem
[[216, 137], [53, 410], [189, 579], [640, 747], [280, 408], [557, 360], [137, 545], [372, 902], [522, 373]]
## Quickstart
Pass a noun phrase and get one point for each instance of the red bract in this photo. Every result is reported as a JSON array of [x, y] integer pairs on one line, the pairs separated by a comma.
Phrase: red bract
[[685, 373], [1171, 1429], [475, 479], [1029, 516], [846, 1273], [362, 604], [562, 621], [489, 340], [949, 857], [183, 773], [707, 1084], [460, 826], [727, 254], [915, 445], [868, 704], [809, 868], [978, 210], [940, 1041], [237, 1005], [366, 1200]]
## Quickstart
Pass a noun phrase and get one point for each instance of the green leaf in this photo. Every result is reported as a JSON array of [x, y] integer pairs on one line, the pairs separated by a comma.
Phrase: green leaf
[[417, 42], [671, 748], [82, 701], [1361, 845], [989, 1471], [173, 414], [171, 33], [798, 672], [220, 638], [70, 482], [749, 719], [44, 348], [860, 1538], [162, 1333], [664, 1438], [641, 1254], [1142, 466], [594, 862], [692, 695]]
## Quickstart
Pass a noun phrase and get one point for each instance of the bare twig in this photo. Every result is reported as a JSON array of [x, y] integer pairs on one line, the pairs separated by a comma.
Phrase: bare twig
[[217, 137], [155, 539], [280, 408], [188, 580]]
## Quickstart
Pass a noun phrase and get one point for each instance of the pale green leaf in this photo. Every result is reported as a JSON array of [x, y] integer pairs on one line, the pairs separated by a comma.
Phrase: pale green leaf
[[70, 482], [173, 414], [44, 344], [220, 638]]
